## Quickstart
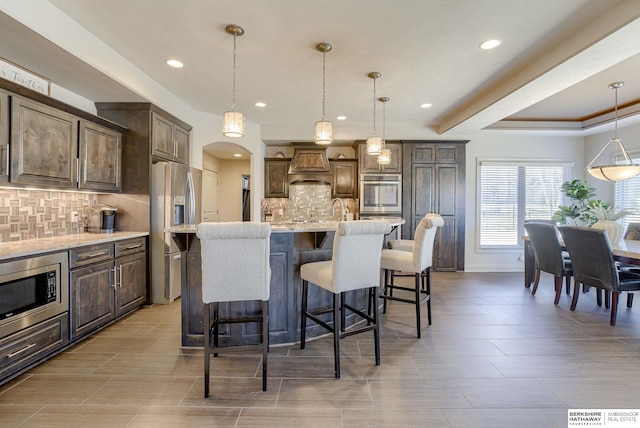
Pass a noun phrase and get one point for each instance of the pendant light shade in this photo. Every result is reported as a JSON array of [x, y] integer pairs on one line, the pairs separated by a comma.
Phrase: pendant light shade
[[324, 128], [384, 158], [233, 121], [615, 172], [374, 143]]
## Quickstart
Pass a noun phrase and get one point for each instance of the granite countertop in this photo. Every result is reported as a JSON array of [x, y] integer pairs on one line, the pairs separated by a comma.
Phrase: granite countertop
[[285, 227], [30, 247]]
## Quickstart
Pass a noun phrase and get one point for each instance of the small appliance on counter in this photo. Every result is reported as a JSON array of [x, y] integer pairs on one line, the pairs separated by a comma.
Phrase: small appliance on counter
[[101, 218]]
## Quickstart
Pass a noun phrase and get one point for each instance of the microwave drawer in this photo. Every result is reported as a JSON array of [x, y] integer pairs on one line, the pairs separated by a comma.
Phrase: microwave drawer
[[90, 254], [30, 344], [130, 246]]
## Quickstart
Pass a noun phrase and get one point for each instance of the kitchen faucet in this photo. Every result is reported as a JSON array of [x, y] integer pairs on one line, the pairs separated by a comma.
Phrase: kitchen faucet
[[333, 208]]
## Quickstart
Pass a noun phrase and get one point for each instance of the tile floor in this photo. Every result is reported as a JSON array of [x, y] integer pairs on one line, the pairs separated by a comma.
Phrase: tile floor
[[495, 356]]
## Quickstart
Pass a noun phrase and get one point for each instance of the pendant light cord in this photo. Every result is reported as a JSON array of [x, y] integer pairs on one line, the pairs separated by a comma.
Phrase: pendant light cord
[[384, 126], [324, 55], [615, 127], [374, 106]]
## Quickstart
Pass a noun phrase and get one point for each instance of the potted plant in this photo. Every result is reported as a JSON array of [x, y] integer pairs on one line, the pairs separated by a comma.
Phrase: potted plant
[[582, 199], [606, 218]]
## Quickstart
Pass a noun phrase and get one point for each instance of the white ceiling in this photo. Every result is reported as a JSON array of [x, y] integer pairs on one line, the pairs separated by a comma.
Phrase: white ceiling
[[552, 69]]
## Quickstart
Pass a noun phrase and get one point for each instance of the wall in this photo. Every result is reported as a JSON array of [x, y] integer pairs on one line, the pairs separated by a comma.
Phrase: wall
[[27, 214], [230, 194], [498, 145]]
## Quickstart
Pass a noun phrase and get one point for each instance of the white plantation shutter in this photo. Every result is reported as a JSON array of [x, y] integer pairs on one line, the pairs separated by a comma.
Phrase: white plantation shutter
[[512, 192]]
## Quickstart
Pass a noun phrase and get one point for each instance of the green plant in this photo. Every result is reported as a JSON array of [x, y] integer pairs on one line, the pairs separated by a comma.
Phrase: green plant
[[606, 212], [582, 201]]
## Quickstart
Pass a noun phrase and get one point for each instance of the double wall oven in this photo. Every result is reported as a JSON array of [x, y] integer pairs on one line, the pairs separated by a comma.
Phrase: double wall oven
[[381, 196], [32, 290]]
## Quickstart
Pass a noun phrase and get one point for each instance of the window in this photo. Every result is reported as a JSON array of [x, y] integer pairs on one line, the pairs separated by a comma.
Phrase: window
[[627, 194], [512, 192]]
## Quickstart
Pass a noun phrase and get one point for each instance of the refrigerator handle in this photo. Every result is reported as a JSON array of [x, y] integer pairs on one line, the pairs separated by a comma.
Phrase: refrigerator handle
[[191, 199]]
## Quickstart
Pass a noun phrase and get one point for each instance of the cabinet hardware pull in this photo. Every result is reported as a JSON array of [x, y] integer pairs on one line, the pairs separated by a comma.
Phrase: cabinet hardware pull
[[133, 247], [84, 173], [20, 351], [115, 281], [92, 255], [77, 170], [120, 276], [7, 149]]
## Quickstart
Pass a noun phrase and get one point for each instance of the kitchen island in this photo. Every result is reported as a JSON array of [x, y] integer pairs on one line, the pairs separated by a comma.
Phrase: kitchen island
[[292, 244]]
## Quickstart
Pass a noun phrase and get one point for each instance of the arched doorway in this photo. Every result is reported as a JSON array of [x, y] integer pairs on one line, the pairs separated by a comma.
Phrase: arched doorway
[[226, 182]]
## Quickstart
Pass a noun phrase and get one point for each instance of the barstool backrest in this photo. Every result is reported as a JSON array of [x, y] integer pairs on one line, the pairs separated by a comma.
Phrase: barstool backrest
[[356, 254], [235, 261], [424, 238]]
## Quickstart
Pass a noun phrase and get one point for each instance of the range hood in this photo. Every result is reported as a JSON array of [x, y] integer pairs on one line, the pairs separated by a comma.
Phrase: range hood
[[309, 166]]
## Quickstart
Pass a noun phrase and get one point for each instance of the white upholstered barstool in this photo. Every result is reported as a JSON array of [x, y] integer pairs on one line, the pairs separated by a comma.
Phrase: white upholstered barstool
[[355, 265], [235, 267], [414, 257]]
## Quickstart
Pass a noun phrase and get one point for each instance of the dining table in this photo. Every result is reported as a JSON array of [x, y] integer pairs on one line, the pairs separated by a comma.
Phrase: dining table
[[628, 251]]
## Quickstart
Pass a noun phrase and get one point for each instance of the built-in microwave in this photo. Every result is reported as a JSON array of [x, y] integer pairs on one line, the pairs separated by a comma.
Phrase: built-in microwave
[[32, 290], [380, 194]]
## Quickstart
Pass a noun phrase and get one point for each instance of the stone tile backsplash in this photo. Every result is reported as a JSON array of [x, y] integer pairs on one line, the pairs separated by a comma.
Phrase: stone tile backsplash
[[27, 214], [305, 202]]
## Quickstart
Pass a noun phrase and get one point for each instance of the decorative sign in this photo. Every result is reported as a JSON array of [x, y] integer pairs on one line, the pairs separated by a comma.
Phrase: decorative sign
[[26, 78]]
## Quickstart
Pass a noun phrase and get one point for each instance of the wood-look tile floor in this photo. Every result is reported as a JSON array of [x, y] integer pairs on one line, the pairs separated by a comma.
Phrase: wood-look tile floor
[[495, 356]]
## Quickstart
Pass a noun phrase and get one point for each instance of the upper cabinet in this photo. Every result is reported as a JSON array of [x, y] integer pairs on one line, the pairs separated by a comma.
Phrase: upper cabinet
[[276, 184], [4, 136], [44, 144], [344, 178], [369, 163], [100, 153], [169, 141]]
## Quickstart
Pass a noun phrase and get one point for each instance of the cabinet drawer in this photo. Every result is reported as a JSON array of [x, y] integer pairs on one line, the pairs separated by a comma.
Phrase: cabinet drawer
[[130, 246], [90, 254], [20, 349]]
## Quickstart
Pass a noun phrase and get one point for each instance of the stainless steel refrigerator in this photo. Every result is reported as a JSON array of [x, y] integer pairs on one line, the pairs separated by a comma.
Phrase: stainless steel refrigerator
[[176, 192]]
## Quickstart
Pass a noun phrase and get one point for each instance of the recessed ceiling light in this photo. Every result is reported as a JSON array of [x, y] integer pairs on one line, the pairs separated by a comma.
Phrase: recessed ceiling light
[[425, 105], [238, 155], [260, 104], [490, 44], [341, 117], [175, 63]]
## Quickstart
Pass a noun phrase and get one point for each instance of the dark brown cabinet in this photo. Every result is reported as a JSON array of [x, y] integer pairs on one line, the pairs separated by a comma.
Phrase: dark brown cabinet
[[106, 281], [344, 178], [276, 184], [100, 157], [369, 163], [169, 141], [44, 144], [4, 136], [433, 181]]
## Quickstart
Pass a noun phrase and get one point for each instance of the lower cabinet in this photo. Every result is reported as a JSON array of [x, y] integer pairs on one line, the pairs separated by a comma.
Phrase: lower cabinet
[[107, 281], [32, 344]]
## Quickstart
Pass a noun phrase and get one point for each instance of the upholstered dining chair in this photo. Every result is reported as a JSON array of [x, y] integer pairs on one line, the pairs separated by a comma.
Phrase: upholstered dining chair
[[235, 267], [548, 251], [416, 263], [632, 232], [594, 265], [355, 265]]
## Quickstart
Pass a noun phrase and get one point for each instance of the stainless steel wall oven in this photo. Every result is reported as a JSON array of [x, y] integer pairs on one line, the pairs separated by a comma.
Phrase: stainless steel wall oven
[[32, 290], [381, 194]]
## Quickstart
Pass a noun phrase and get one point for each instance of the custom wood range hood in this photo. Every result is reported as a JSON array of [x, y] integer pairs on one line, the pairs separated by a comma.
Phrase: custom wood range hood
[[309, 165]]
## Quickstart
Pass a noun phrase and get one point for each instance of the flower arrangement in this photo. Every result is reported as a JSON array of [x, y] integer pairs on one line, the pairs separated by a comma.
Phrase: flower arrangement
[[606, 212]]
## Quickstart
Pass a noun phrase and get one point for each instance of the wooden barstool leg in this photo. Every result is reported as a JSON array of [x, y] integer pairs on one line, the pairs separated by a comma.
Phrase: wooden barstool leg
[[207, 348], [417, 285], [336, 333], [265, 342], [303, 319]]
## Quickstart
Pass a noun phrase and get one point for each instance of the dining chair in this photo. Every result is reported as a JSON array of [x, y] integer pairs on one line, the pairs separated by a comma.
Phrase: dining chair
[[594, 265], [235, 267], [548, 251], [354, 265], [633, 231], [416, 263]]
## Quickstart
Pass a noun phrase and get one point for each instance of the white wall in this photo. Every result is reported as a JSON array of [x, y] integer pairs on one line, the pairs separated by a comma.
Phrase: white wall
[[230, 190], [499, 145]]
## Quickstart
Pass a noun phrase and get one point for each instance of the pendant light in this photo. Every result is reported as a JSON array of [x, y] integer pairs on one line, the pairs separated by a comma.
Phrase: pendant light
[[324, 128], [615, 172], [374, 143], [233, 121], [384, 158]]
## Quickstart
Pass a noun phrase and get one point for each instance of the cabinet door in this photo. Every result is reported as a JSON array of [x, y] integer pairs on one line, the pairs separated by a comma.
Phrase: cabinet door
[[445, 254], [44, 145], [131, 289], [422, 194], [344, 179], [92, 297], [369, 163], [181, 137], [100, 157], [162, 142], [275, 178], [4, 136]]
